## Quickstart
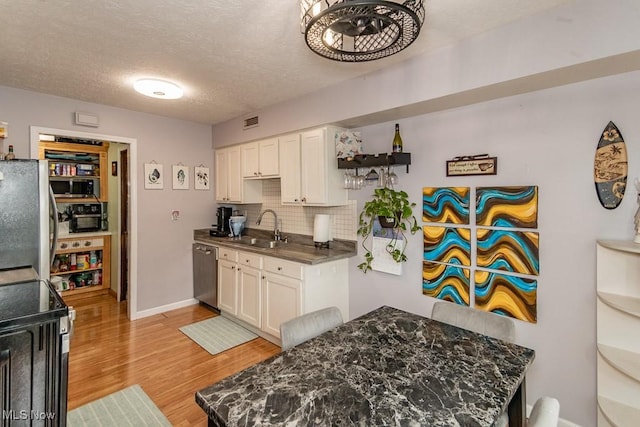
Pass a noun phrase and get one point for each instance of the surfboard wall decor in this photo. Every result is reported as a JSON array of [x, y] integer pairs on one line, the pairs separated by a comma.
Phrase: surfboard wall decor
[[610, 167]]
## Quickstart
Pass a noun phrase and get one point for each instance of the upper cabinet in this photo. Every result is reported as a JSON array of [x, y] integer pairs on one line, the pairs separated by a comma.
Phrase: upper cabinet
[[260, 159], [229, 184], [309, 173], [77, 172]]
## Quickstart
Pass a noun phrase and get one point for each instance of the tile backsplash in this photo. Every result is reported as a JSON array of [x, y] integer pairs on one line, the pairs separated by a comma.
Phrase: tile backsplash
[[298, 219]]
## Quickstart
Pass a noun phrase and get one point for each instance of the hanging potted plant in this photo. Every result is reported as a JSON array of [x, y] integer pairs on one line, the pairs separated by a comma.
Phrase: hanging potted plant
[[391, 209]]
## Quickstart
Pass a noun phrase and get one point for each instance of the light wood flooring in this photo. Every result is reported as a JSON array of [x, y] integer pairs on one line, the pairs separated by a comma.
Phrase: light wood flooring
[[109, 353]]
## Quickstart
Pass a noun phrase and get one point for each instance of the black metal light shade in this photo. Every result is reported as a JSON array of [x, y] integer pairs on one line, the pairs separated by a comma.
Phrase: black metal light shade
[[360, 30]]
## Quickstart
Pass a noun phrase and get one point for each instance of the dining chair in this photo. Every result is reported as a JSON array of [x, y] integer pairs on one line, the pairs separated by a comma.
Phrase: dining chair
[[307, 326], [545, 413], [493, 325]]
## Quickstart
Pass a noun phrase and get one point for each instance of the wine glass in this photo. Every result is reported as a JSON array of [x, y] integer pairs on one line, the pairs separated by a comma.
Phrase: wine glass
[[392, 179], [371, 177]]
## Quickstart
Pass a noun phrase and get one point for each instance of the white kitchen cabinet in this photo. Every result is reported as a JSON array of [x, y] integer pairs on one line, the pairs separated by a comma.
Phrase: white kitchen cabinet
[[282, 300], [317, 181], [262, 291], [618, 332], [260, 159], [229, 185], [228, 286], [250, 288], [290, 168]]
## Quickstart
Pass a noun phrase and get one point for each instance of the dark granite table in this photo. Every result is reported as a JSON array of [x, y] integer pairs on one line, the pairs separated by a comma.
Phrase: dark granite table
[[388, 367]]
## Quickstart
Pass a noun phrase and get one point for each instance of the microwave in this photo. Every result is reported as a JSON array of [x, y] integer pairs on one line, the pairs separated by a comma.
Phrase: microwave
[[72, 188], [89, 217]]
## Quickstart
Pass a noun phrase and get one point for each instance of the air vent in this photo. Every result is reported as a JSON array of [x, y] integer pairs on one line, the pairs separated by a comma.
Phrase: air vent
[[250, 122]]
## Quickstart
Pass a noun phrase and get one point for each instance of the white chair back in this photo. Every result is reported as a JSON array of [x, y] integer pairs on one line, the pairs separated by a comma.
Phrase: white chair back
[[307, 326], [482, 322]]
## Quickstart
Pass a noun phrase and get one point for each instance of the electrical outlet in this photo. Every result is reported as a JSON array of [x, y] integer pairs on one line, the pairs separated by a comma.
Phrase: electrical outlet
[[175, 215]]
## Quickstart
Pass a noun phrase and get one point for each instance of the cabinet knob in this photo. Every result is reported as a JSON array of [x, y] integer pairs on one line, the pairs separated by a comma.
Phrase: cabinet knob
[[76, 244], [296, 200], [304, 200], [263, 277], [279, 268], [87, 243], [63, 246]]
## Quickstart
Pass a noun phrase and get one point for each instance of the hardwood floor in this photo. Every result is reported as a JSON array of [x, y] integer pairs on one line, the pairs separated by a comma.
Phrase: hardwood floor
[[109, 353]]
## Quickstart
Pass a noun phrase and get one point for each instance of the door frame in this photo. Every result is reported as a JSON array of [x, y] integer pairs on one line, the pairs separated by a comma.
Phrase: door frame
[[35, 132]]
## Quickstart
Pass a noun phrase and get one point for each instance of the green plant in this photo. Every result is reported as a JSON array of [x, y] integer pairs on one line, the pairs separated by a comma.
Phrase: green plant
[[389, 203]]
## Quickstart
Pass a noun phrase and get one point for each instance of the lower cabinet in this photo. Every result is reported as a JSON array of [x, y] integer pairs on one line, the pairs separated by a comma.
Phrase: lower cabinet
[[250, 289], [228, 286], [282, 300], [263, 291]]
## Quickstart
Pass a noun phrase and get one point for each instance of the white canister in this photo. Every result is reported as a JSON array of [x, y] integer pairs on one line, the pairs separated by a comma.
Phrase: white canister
[[321, 228]]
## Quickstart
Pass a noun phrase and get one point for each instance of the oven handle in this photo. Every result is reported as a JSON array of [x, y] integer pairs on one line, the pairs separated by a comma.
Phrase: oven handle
[[86, 215]]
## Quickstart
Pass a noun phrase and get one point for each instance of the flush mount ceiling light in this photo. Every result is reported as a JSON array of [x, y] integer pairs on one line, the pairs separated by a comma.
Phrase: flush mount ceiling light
[[360, 30], [158, 88]]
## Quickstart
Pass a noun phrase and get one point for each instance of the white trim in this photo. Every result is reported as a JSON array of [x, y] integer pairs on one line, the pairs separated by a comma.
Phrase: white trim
[[168, 307], [35, 132]]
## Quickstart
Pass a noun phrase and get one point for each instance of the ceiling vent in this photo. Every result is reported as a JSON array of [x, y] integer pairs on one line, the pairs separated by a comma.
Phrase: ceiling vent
[[250, 122]]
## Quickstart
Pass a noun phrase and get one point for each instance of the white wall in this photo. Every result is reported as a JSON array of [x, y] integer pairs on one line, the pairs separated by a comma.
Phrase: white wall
[[164, 246]]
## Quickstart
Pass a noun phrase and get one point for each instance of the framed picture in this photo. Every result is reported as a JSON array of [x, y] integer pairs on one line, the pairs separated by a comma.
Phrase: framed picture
[[202, 178], [180, 176], [153, 176]]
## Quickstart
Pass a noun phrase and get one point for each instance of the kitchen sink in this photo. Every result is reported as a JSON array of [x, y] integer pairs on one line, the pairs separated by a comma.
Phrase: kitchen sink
[[259, 243]]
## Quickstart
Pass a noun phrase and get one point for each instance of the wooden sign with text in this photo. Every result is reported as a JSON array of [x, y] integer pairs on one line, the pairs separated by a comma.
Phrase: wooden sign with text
[[480, 164]]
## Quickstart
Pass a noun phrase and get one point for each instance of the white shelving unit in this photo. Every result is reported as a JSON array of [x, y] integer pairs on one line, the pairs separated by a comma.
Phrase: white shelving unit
[[618, 332]]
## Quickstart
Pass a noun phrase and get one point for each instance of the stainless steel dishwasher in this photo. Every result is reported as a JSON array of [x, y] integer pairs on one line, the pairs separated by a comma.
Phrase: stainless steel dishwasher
[[205, 274]]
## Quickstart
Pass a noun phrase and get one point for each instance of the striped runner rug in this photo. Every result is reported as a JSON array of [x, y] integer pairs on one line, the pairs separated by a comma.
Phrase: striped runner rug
[[217, 334], [128, 407]]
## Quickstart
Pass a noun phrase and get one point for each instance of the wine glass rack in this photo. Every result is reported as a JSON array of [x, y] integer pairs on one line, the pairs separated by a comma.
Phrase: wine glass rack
[[371, 160]]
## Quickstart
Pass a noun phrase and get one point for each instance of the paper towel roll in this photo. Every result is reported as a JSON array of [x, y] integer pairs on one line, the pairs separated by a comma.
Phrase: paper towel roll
[[321, 231]]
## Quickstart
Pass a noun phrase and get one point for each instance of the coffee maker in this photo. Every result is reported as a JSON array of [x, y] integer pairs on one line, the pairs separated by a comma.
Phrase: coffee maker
[[222, 229]]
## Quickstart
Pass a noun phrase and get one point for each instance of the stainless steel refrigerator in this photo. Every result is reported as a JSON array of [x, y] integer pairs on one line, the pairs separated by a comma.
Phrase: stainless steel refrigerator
[[34, 320]]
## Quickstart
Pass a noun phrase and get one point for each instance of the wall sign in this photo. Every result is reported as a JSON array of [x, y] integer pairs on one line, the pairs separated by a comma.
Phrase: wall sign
[[480, 164]]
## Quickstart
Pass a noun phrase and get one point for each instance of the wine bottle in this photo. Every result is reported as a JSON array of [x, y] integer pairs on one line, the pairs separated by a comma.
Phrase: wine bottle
[[397, 141], [10, 155]]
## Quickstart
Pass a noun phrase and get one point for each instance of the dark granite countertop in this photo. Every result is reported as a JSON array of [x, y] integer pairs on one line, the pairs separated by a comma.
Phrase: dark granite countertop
[[300, 248], [388, 367]]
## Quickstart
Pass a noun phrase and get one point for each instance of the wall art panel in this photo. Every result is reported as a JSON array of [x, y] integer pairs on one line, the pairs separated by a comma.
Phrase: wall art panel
[[445, 204], [446, 282], [447, 245], [512, 207], [513, 251], [505, 294]]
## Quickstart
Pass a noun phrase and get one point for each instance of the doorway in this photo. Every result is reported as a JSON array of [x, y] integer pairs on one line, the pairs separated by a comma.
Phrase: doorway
[[128, 264], [124, 226]]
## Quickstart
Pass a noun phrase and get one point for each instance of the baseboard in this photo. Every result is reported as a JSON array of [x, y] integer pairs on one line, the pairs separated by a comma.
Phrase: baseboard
[[164, 308]]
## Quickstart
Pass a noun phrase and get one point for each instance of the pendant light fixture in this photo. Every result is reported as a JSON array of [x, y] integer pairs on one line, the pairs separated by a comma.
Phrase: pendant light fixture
[[360, 30]]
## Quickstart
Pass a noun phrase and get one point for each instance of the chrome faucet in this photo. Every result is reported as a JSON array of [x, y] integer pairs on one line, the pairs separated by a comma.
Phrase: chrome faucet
[[276, 232]]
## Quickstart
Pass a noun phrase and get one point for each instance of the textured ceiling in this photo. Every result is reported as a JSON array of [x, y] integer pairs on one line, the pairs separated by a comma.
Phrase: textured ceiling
[[231, 57]]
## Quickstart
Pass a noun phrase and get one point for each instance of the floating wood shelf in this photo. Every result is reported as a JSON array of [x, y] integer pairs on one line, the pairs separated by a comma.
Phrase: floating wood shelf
[[372, 160]]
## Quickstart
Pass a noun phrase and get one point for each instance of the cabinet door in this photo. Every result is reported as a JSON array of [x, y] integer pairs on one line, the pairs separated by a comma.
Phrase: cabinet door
[[250, 295], [234, 183], [269, 160], [281, 301], [227, 287], [250, 160], [290, 168], [222, 174], [313, 155]]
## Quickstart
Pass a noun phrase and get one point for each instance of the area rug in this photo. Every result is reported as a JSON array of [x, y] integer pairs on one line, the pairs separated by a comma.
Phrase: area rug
[[217, 334], [128, 407]]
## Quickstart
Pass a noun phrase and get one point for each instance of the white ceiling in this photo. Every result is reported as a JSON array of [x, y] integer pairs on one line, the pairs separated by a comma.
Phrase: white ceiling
[[232, 57]]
